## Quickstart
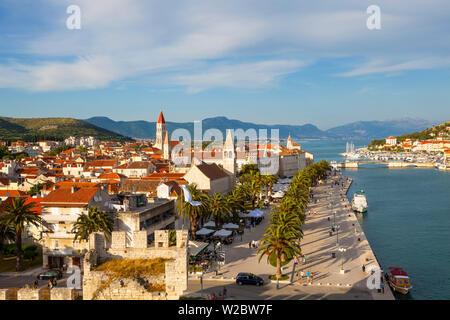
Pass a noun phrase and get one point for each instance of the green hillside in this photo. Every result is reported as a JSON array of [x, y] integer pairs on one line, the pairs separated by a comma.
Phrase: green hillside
[[426, 134], [35, 129]]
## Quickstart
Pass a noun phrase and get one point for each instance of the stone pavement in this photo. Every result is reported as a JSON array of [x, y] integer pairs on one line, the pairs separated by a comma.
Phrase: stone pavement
[[317, 245]]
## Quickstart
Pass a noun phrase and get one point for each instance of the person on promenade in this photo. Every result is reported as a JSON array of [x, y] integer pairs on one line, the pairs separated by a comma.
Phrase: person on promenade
[[50, 284], [36, 284], [308, 275], [382, 286], [311, 278], [304, 259], [249, 244], [364, 268], [55, 282]]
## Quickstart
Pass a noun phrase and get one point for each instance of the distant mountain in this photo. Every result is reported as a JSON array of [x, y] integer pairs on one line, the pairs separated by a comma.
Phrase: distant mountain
[[378, 129], [356, 130], [34, 129], [147, 130]]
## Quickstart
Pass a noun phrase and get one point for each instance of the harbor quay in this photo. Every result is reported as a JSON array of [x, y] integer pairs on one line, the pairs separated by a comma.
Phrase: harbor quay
[[329, 206]]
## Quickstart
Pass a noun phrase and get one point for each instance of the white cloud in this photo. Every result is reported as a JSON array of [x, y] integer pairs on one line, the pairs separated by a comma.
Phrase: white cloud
[[380, 66], [244, 75], [213, 41]]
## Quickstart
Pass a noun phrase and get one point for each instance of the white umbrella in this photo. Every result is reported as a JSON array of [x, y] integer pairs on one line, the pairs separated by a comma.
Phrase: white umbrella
[[222, 233], [204, 231], [255, 214], [278, 194], [210, 224], [230, 226]]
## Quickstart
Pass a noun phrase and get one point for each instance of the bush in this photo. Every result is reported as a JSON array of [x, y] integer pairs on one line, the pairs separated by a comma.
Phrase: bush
[[29, 250]]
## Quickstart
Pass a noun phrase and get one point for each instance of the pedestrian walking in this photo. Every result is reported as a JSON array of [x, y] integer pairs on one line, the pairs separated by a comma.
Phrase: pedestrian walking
[[304, 259], [382, 286], [311, 277], [364, 268], [278, 284], [50, 284], [224, 292], [295, 261], [249, 244], [55, 282], [36, 284]]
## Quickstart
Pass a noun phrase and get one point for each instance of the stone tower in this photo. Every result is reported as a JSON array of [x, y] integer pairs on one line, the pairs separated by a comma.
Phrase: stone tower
[[289, 143], [229, 156], [161, 130], [166, 147]]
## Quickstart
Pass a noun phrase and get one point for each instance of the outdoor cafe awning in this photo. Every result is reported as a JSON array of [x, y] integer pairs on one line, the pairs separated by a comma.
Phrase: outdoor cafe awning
[[278, 194], [230, 226], [196, 247], [204, 232], [222, 233], [255, 214], [210, 224]]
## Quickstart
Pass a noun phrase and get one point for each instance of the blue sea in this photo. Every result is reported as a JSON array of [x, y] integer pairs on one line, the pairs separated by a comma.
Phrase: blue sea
[[408, 220]]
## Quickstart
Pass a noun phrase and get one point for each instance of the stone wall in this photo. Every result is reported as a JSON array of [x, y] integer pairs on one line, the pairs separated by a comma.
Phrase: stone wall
[[176, 272], [38, 294]]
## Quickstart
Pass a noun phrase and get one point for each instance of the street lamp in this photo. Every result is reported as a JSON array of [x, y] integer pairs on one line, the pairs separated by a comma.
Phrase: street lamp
[[342, 250], [201, 283]]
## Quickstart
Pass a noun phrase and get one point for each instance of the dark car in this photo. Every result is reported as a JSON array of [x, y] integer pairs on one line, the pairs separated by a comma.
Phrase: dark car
[[50, 274], [249, 278]]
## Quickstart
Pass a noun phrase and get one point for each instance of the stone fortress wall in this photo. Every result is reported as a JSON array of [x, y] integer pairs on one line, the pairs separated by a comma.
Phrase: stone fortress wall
[[176, 271], [175, 278]]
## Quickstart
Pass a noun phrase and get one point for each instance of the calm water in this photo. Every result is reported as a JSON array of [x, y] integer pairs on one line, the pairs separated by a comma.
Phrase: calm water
[[408, 221]]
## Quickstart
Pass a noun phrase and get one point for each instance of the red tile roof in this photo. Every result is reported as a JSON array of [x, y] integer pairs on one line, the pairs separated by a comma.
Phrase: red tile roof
[[65, 197]]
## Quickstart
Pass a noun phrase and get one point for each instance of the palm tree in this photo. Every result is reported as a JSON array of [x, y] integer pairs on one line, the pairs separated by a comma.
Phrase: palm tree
[[220, 208], [271, 179], [255, 189], [18, 215], [281, 239], [95, 221], [6, 233], [193, 213]]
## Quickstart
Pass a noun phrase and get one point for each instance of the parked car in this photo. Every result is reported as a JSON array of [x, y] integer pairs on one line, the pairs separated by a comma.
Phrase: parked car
[[50, 274], [249, 278]]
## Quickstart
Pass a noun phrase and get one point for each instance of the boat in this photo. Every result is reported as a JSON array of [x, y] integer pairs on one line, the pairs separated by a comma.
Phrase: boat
[[359, 202], [399, 280]]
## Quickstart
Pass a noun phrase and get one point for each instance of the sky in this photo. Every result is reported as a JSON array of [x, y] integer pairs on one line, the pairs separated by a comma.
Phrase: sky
[[271, 62]]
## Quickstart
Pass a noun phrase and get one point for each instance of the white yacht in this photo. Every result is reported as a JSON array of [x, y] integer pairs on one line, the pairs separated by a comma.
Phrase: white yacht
[[359, 202]]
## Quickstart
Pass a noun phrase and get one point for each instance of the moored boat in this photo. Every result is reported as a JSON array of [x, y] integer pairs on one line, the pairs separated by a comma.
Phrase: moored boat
[[399, 280], [359, 202]]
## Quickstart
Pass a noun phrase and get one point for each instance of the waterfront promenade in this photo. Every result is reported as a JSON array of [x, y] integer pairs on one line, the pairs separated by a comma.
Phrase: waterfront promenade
[[318, 246], [333, 208]]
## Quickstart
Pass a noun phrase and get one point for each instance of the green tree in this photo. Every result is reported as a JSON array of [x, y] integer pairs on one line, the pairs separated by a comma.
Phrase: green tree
[[220, 208], [281, 239], [19, 214], [95, 221], [193, 213], [6, 233]]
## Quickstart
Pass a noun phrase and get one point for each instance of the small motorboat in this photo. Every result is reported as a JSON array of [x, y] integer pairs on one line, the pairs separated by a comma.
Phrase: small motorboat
[[359, 202], [399, 280]]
